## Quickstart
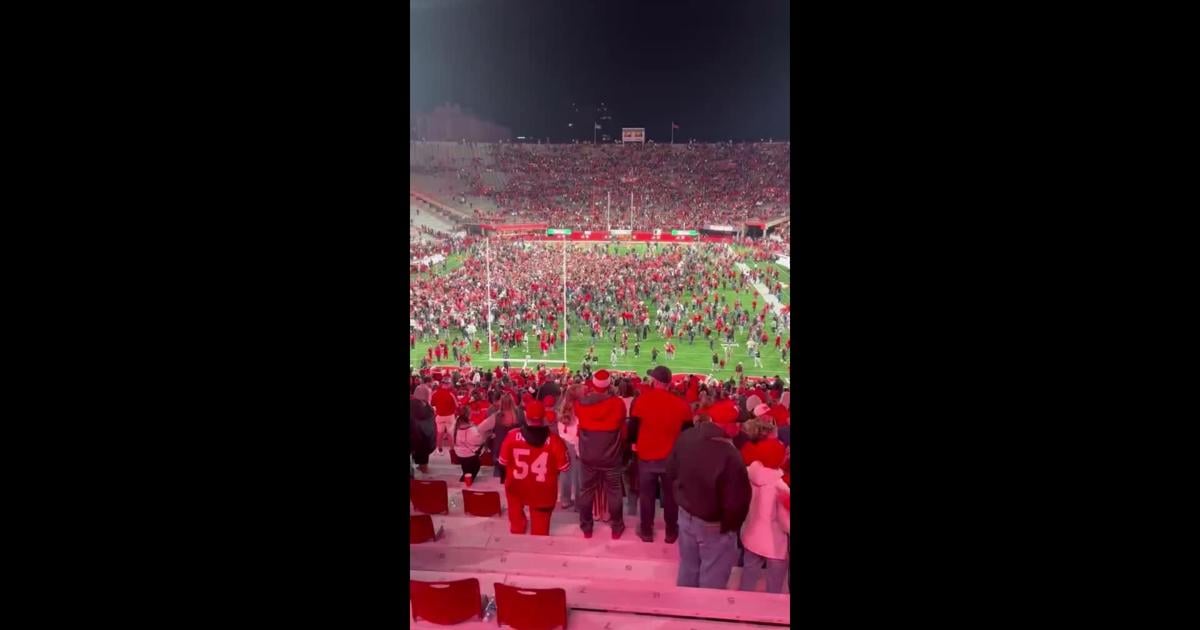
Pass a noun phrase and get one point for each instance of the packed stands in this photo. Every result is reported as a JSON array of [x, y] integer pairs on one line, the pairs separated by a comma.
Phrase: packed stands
[[682, 185]]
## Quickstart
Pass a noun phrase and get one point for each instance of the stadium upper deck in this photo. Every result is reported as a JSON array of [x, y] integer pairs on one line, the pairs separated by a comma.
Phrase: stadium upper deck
[[569, 185]]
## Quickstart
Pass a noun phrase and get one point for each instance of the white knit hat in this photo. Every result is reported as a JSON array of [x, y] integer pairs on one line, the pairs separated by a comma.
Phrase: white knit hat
[[761, 410]]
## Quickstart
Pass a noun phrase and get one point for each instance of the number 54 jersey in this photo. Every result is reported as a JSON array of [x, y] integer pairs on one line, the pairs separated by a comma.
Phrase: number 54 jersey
[[533, 457]]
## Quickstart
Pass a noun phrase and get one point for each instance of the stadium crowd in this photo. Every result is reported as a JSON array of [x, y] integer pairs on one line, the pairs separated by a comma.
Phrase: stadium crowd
[[568, 185], [696, 184], [715, 456]]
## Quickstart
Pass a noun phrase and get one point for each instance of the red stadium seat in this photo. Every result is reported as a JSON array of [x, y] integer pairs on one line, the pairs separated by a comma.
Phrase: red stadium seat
[[429, 496], [531, 608], [477, 503], [446, 603], [420, 529]]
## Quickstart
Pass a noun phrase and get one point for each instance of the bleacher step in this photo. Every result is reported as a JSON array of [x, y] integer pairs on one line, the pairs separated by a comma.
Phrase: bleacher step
[[592, 620], [493, 533]]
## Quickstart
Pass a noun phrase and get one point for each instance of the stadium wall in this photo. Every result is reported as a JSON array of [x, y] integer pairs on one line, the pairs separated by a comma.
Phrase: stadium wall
[[662, 236]]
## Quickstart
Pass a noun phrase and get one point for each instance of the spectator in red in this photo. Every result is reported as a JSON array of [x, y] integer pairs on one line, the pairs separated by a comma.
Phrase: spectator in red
[[444, 405], [601, 418], [785, 429], [779, 412], [535, 457], [722, 410], [660, 416]]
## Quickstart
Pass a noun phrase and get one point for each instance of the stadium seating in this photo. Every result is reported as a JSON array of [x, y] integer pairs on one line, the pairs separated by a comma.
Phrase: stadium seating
[[478, 503], [609, 584], [429, 496], [526, 608], [446, 602], [420, 529], [569, 185]]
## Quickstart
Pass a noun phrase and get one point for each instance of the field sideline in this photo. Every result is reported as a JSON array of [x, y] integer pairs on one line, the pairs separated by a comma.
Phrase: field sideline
[[695, 358]]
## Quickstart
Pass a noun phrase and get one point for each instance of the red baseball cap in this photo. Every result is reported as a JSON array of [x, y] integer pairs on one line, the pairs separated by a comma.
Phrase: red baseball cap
[[535, 413]]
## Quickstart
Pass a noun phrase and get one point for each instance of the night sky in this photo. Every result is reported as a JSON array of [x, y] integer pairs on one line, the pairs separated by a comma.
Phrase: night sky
[[719, 69]]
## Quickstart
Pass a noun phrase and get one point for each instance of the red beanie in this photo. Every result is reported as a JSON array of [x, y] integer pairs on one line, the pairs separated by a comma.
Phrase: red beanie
[[770, 452], [601, 381]]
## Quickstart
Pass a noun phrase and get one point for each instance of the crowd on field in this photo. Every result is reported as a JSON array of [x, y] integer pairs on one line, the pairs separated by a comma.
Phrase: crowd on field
[[622, 300]]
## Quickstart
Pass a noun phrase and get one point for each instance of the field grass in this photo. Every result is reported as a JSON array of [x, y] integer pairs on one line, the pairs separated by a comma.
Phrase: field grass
[[689, 358]]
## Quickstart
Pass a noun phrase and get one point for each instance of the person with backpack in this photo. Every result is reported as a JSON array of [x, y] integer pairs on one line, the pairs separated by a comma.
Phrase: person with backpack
[[601, 418]]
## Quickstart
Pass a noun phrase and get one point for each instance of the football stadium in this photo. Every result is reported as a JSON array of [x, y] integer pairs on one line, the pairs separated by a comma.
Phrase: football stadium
[[600, 356]]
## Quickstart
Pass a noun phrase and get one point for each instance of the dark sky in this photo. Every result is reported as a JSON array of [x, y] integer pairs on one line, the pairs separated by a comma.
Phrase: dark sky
[[718, 69]]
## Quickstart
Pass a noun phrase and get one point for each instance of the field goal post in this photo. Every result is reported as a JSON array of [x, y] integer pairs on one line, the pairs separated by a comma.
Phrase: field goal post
[[528, 359]]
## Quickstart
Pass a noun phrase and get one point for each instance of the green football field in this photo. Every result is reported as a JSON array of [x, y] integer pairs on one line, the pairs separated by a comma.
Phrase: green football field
[[689, 358]]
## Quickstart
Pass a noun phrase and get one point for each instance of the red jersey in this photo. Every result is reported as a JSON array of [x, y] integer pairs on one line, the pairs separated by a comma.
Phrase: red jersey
[[532, 472], [443, 402]]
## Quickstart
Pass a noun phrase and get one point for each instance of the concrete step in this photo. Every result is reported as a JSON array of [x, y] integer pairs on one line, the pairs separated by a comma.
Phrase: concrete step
[[591, 620], [447, 558], [467, 532], [563, 522], [565, 539]]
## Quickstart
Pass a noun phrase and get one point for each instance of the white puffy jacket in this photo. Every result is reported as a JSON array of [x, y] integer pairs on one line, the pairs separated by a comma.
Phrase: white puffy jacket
[[467, 440], [766, 527]]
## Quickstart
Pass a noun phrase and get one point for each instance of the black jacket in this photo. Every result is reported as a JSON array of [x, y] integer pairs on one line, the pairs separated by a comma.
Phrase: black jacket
[[420, 427], [708, 477], [601, 431], [549, 388]]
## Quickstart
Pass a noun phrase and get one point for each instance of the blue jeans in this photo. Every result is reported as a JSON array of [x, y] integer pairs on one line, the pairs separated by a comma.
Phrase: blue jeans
[[568, 483], [650, 475], [753, 567], [706, 556]]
